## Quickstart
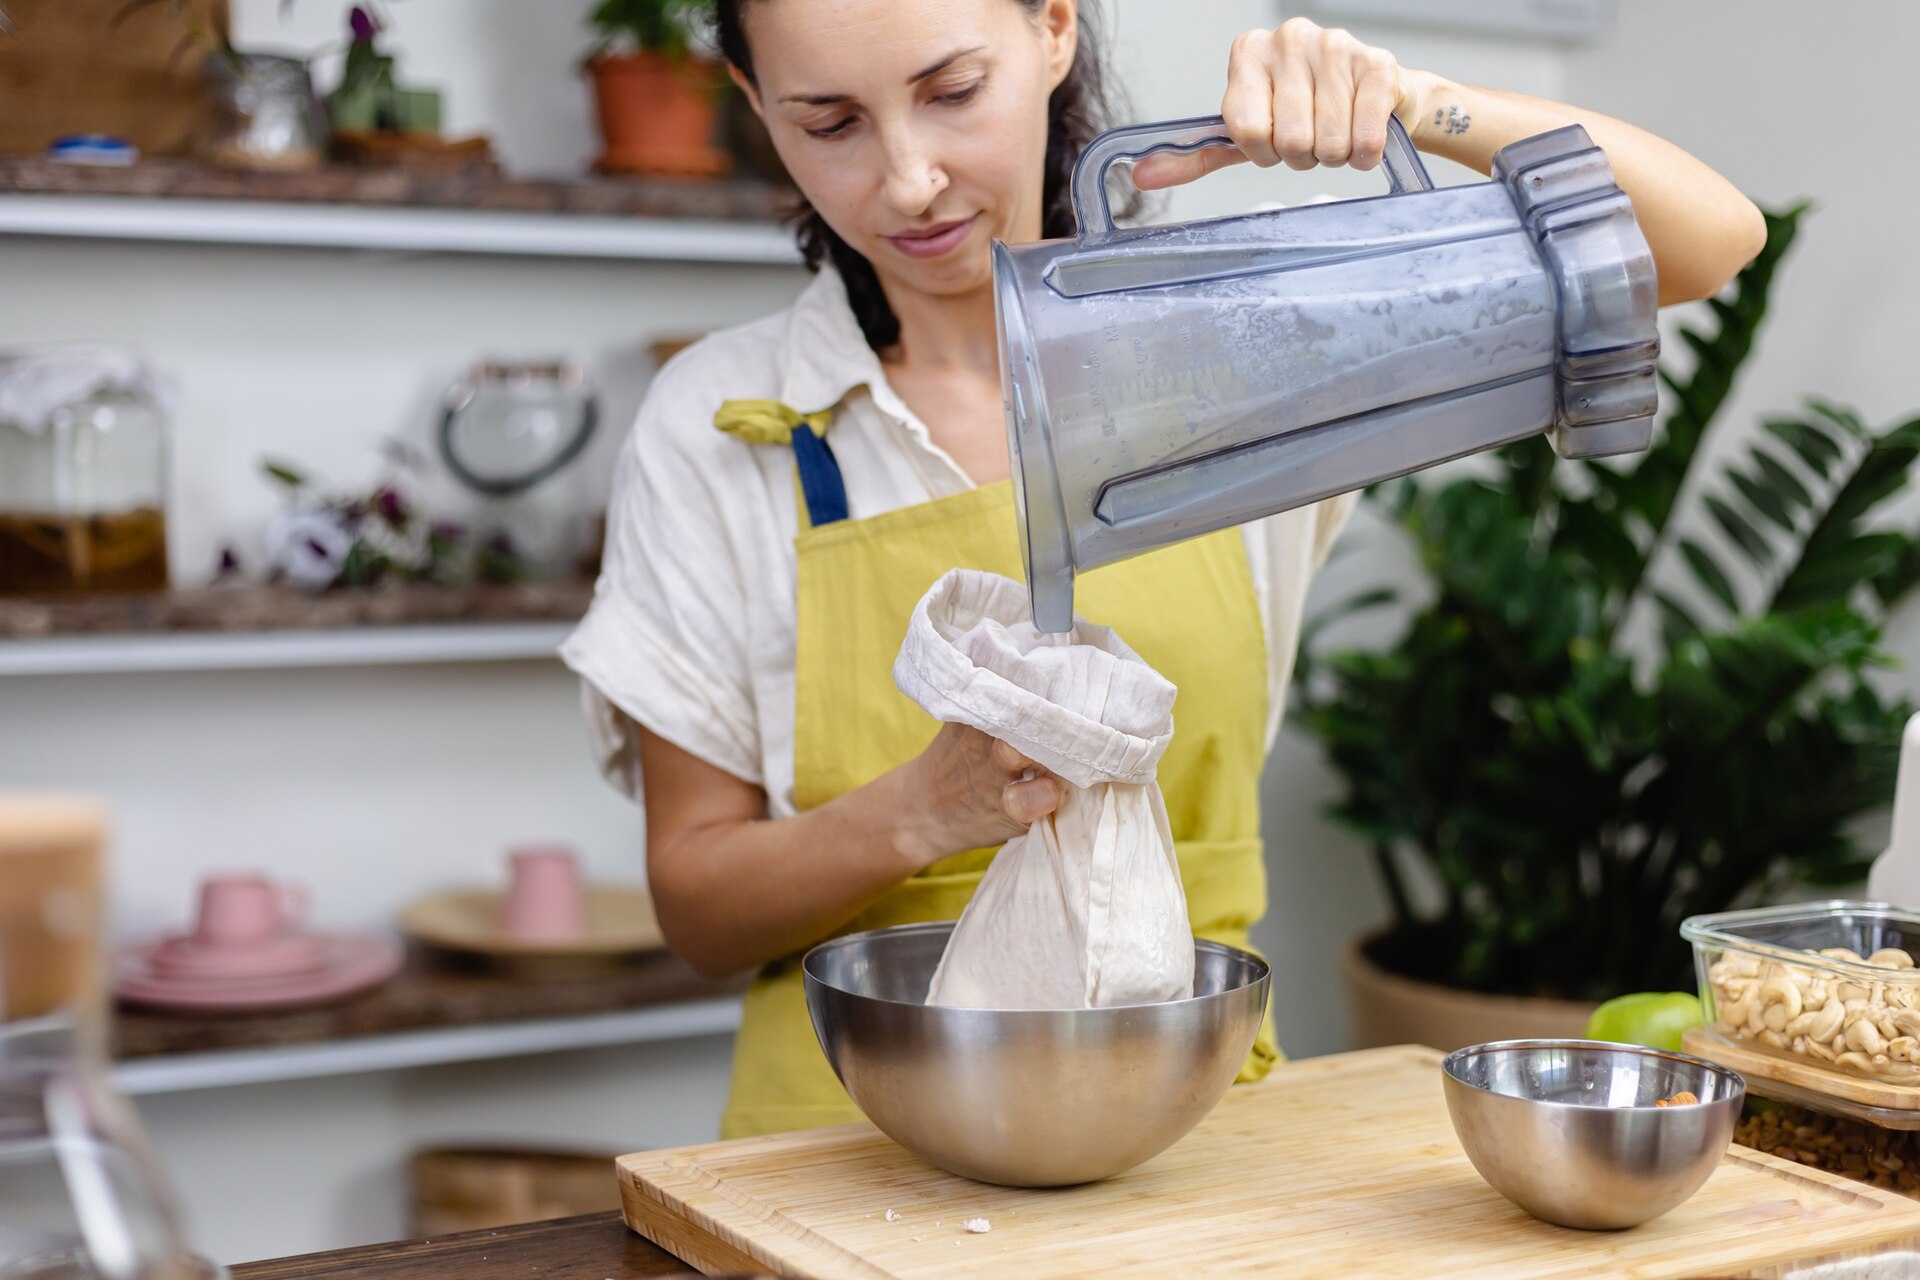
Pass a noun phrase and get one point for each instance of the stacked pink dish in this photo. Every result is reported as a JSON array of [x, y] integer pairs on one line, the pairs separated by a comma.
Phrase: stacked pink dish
[[250, 950]]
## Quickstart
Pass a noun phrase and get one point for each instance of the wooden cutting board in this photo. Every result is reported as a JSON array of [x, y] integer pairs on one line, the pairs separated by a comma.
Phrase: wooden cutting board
[[1337, 1167]]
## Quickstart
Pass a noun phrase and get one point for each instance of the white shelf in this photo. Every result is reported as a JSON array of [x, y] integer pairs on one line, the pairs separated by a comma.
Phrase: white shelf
[[231, 651], [178, 1073], [250, 222]]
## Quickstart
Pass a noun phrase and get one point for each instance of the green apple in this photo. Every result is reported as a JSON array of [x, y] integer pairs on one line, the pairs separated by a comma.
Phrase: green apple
[[1656, 1019]]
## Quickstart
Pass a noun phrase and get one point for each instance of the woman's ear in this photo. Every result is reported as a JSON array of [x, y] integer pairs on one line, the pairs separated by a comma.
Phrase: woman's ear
[[1060, 24], [747, 87]]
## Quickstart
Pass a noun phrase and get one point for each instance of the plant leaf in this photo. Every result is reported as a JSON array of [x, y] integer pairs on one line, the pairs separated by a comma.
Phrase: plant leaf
[[1817, 449], [1762, 499], [1744, 535], [1709, 573], [1781, 479]]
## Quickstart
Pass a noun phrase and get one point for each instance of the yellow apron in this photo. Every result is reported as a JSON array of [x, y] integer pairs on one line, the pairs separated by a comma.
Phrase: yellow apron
[[1189, 610]]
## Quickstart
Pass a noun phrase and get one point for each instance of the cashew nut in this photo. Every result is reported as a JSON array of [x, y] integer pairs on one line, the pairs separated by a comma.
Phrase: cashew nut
[[1773, 1039], [1859, 1062], [1784, 991], [1841, 953], [1865, 1037], [1827, 1021], [1891, 958]]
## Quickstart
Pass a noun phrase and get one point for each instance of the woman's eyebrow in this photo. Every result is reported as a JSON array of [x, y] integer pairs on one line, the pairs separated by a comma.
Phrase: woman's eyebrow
[[828, 99]]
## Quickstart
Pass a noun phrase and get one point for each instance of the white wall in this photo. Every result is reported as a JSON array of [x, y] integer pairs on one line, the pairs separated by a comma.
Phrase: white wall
[[372, 784]]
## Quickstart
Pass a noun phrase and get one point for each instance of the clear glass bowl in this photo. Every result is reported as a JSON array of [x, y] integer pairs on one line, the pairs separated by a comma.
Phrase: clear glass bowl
[[1826, 984]]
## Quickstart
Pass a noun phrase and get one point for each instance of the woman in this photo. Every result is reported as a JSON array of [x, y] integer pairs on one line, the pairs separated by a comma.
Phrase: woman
[[793, 486]]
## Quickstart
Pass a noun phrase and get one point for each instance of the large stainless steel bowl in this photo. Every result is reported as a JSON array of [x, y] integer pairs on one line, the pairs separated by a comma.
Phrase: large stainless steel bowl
[[1027, 1098], [1568, 1129]]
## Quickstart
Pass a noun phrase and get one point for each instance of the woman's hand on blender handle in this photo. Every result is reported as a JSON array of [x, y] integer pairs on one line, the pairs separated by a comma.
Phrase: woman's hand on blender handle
[[1301, 95], [1305, 95], [969, 790]]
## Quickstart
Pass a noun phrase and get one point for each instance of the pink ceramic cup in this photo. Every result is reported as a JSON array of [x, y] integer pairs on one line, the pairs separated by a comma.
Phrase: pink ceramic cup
[[546, 900], [239, 909]]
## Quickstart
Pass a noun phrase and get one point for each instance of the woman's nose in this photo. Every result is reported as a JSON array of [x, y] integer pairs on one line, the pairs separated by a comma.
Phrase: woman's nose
[[914, 177]]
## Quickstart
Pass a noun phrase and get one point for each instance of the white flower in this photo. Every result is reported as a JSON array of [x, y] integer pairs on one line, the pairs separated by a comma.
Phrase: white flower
[[309, 547]]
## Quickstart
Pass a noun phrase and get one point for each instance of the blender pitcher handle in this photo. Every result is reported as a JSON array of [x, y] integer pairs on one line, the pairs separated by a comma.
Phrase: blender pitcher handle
[[1094, 214]]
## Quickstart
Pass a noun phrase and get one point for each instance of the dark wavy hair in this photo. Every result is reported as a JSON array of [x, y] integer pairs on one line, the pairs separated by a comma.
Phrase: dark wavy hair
[[1078, 109]]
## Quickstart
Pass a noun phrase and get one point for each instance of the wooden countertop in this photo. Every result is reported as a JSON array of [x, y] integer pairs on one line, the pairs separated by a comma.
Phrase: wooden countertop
[[596, 1247]]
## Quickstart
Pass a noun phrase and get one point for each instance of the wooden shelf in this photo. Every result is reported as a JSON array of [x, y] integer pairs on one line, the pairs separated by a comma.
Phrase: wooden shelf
[[251, 628], [171, 200], [431, 1012]]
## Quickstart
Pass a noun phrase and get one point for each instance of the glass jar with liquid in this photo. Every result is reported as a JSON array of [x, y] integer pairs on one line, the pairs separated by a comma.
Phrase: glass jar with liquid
[[83, 497]]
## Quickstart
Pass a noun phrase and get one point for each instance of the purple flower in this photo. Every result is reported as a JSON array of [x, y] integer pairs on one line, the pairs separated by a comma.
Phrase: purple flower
[[363, 24], [392, 508]]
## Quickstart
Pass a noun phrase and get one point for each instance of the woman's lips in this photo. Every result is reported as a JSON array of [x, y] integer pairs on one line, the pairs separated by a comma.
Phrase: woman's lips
[[940, 238]]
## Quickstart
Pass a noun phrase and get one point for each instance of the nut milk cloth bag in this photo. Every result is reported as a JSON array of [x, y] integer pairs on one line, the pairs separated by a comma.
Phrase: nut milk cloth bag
[[1086, 908]]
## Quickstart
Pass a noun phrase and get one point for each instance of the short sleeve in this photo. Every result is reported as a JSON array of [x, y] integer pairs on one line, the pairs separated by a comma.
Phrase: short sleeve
[[664, 642]]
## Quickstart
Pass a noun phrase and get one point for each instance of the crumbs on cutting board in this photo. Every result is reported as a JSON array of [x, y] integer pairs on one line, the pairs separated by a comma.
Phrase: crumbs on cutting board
[[978, 1226]]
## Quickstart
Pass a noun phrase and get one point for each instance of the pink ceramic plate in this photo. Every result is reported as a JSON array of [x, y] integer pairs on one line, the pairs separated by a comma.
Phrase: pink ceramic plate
[[353, 962]]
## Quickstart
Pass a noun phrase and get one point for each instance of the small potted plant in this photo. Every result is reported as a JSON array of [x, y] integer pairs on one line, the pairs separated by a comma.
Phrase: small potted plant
[[657, 97]]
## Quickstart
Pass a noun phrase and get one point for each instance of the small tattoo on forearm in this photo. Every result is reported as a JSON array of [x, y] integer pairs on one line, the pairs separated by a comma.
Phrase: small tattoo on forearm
[[1452, 119]]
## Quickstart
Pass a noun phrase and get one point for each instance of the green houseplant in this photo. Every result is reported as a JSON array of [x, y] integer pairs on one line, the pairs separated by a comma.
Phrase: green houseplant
[[657, 99], [1627, 700]]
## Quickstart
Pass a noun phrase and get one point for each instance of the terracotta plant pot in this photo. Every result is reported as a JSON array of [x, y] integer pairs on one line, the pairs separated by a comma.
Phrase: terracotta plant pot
[[1388, 1008], [657, 114]]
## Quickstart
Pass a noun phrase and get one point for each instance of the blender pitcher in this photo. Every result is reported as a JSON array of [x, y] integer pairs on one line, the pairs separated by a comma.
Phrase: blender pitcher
[[1165, 382]]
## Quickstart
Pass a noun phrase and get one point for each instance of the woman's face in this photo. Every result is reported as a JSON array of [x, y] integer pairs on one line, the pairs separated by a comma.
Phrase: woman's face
[[917, 128]]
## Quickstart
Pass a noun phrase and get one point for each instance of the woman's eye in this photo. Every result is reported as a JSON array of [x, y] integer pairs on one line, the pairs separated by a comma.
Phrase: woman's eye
[[959, 95], [832, 130]]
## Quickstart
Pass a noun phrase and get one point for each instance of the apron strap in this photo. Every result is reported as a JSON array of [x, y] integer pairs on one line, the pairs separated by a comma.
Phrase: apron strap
[[822, 490]]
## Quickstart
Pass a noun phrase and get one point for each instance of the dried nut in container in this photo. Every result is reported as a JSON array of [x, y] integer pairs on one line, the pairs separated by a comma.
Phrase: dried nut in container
[[1864, 1036], [1827, 1021], [1887, 1158], [1784, 993], [1872, 1028]]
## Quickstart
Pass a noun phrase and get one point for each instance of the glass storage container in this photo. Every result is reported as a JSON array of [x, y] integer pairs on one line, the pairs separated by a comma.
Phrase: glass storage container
[[1830, 985], [83, 497], [81, 1195], [262, 113], [512, 433]]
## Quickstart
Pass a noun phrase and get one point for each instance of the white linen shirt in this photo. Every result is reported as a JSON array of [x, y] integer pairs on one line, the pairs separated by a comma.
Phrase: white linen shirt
[[691, 629]]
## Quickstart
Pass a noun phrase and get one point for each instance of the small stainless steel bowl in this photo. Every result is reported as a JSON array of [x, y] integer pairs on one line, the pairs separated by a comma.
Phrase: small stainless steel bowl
[[1021, 1097], [1568, 1129]]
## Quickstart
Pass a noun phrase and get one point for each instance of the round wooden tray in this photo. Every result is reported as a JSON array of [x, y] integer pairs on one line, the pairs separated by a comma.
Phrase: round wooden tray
[[620, 922]]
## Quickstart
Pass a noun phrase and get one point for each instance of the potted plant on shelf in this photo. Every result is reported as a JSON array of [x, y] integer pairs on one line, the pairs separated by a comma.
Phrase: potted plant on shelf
[[656, 96], [1617, 708]]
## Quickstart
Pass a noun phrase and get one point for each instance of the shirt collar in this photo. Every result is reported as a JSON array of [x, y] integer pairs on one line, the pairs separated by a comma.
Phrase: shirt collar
[[827, 354]]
